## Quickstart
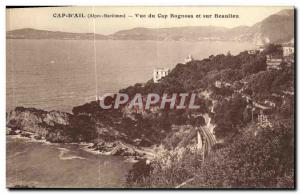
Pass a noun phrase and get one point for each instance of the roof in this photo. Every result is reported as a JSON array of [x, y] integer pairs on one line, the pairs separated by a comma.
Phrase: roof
[[162, 69]]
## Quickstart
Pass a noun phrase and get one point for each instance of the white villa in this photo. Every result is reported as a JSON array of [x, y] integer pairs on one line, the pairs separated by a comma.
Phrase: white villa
[[287, 50], [160, 73]]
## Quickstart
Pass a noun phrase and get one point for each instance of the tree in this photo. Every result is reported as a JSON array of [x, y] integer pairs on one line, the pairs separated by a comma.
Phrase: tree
[[229, 116], [274, 49]]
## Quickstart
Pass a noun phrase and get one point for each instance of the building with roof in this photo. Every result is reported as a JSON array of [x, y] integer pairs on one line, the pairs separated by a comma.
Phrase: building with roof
[[159, 73], [273, 63]]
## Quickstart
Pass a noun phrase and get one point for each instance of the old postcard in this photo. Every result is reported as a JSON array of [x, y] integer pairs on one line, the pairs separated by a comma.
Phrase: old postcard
[[150, 97]]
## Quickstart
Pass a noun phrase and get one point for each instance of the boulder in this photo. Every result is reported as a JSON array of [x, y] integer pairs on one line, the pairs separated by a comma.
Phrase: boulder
[[25, 134]]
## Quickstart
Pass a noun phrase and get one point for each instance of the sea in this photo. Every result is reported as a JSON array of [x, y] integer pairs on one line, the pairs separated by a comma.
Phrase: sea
[[44, 165], [61, 74]]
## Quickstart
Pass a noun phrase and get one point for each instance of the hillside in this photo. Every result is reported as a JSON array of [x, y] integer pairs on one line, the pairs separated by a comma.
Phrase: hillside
[[245, 148], [179, 33], [277, 28]]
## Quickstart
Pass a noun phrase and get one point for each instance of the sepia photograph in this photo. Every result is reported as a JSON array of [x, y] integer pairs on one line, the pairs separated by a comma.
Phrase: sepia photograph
[[150, 97]]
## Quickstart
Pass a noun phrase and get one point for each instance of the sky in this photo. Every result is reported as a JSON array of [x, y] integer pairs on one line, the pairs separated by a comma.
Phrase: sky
[[42, 18]]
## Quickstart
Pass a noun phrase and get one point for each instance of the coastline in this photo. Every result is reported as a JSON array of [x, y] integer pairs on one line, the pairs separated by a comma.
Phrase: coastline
[[70, 160], [88, 147]]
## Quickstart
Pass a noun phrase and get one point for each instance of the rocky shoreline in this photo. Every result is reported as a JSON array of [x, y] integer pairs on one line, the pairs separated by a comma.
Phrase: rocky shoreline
[[116, 148]]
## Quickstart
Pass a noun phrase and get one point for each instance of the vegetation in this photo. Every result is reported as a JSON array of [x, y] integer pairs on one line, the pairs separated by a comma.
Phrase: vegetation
[[264, 160], [251, 156], [264, 83], [228, 116]]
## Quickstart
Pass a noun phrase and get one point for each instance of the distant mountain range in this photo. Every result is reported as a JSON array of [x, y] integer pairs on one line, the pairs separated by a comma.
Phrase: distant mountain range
[[30, 33], [276, 28]]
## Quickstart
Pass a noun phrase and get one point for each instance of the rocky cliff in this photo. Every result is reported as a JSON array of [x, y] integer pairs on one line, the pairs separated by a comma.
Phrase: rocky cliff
[[51, 126]]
